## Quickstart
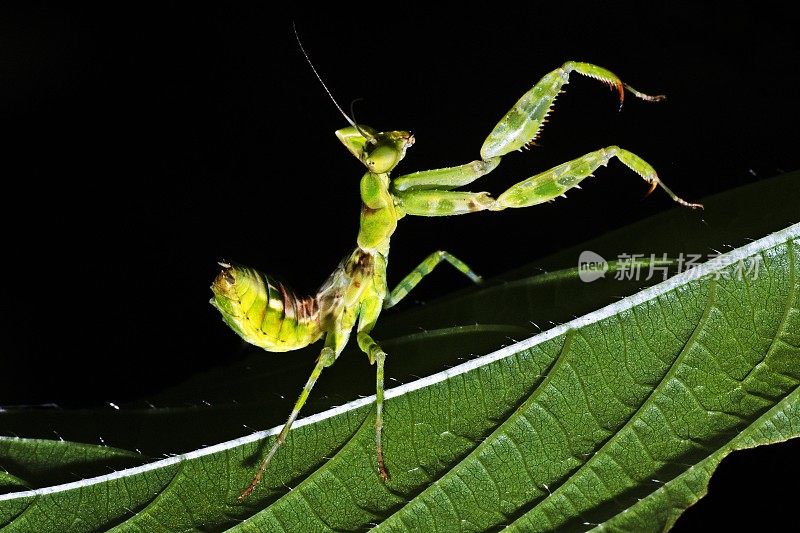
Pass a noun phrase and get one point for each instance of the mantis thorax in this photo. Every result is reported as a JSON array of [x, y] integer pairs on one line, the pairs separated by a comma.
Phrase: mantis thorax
[[380, 152]]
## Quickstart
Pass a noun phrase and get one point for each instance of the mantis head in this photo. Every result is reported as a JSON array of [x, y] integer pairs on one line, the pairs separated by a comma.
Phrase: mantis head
[[380, 152]]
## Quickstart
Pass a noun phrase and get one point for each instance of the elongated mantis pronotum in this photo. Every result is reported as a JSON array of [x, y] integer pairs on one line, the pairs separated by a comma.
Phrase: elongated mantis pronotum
[[266, 313]]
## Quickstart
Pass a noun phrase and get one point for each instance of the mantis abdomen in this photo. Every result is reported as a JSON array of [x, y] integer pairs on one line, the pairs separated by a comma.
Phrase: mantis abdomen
[[264, 311]]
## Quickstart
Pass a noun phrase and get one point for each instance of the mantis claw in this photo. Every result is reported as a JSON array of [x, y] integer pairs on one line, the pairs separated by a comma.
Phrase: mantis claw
[[653, 185]]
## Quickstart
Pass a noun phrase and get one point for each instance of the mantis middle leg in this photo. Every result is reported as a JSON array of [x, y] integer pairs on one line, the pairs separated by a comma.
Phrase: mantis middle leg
[[370, 309], [371, 306], [422, 270]]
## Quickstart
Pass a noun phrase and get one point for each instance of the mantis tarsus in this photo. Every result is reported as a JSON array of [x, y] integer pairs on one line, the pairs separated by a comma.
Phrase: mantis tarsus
[[266, 313]]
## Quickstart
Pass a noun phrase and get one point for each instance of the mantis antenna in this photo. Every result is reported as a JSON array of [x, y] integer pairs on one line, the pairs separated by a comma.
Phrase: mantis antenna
[[366, 135]]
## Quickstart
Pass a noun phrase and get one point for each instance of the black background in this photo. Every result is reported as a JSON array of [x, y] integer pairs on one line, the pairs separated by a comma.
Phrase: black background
[[143, 145]]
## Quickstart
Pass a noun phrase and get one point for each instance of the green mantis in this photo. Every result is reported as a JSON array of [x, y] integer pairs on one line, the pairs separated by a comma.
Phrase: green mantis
[[264, 312]]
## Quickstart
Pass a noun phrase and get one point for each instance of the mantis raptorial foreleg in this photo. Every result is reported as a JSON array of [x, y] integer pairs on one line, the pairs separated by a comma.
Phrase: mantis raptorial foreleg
[[428, 193], [444, 178], [537, 189], [425, 268], [523, 122], [555, 182]]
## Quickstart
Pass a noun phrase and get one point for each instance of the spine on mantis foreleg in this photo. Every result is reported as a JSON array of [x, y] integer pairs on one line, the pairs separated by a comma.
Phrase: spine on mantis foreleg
[[264, 311], [523, 122]]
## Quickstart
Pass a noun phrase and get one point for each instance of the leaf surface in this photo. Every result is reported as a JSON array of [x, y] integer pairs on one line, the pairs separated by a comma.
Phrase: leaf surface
[[612, 420]]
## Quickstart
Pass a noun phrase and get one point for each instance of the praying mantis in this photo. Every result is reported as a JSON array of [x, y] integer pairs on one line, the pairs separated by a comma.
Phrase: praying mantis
[[268, 314]]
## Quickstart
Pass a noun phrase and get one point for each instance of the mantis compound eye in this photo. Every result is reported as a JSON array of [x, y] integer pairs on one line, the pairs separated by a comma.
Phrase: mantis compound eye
[[390, 150], [382, 159]]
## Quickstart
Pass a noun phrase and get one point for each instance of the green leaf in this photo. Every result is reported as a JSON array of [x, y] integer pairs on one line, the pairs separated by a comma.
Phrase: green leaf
[[615, 419]]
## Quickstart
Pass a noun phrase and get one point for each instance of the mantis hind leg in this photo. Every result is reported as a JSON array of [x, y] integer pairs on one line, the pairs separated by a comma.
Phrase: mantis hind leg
[[326, 358]]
